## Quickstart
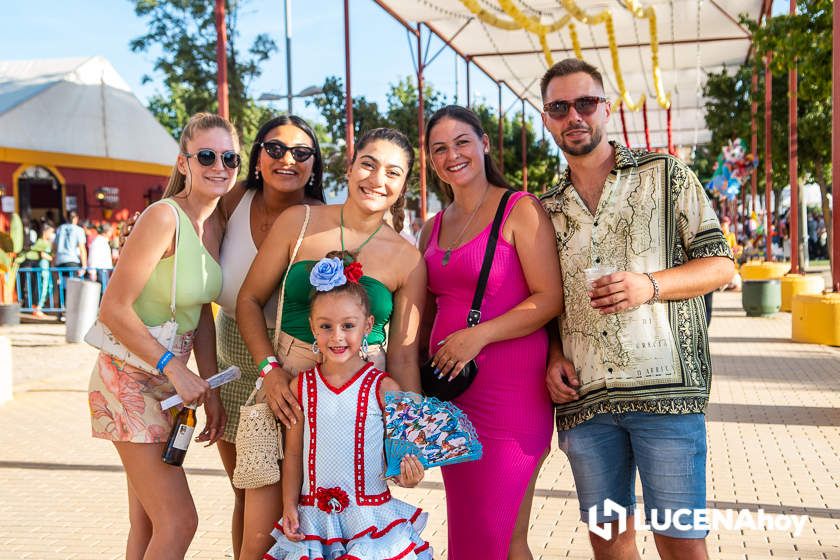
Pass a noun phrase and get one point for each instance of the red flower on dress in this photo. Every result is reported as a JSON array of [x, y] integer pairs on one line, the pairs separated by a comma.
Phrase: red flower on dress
[[331, 500], [353, 272]]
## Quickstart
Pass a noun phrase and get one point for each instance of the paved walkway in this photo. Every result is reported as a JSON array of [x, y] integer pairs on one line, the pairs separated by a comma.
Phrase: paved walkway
[[774, 444]]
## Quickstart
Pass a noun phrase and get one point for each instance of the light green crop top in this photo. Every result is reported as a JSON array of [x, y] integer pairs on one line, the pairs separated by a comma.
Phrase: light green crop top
[[295, 320], [199, 281]]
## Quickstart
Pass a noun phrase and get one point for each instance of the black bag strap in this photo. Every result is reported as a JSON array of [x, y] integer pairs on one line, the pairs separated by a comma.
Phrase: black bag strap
[[474, 316]]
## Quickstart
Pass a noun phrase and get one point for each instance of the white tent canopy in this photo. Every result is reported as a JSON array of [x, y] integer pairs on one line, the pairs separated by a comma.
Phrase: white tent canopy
[[695, 37], [78, 106]]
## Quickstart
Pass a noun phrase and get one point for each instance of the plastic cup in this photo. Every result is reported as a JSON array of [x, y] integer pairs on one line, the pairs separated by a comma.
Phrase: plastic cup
[[596, 272]]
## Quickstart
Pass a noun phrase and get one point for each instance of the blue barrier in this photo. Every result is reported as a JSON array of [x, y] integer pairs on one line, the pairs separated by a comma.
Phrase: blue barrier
[[43, 287]]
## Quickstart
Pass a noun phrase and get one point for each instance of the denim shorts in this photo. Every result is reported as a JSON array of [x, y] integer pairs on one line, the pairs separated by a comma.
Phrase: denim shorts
[[669, 450]]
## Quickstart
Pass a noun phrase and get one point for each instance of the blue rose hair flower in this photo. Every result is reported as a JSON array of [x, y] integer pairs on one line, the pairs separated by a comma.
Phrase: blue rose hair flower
[[327, 274]]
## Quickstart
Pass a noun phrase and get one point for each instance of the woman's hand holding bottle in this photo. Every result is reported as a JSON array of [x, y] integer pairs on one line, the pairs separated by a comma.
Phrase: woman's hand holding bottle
[[191, 388]]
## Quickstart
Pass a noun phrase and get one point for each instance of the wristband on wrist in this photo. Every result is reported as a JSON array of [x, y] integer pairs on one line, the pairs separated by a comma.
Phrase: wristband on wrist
[[655, 297], [167, 356], [268, 364]]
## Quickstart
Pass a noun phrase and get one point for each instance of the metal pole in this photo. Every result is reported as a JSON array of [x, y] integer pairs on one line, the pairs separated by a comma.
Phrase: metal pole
[[501, 131], [421, 117], [793, 166], [754, 140], [835, 151], [524, 151], [348, 96], [287, 6], [467, 60], [456, 57], [768, 163], [221, 59]]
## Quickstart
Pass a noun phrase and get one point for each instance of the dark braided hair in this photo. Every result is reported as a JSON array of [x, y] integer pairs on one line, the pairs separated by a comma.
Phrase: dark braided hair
[[398, 138]]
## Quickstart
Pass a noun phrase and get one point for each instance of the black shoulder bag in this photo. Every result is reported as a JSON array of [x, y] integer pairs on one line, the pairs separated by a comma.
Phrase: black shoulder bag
[[444, 389]]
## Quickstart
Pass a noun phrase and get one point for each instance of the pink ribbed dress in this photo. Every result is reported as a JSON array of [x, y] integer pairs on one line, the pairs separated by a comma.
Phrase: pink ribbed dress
[[508, 402]]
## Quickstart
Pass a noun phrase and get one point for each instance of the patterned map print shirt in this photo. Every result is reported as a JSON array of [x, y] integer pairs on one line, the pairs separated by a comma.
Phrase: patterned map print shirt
[[653, 214]]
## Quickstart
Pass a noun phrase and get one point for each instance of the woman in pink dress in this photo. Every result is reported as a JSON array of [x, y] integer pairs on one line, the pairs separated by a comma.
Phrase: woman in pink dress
[[489, 501]]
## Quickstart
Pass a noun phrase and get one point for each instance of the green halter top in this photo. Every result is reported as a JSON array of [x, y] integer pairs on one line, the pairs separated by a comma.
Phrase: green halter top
[[198, 281], [295, 320]]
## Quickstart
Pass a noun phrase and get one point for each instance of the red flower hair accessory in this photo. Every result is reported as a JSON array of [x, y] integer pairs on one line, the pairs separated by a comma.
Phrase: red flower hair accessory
[[353, 272], [331, 500]]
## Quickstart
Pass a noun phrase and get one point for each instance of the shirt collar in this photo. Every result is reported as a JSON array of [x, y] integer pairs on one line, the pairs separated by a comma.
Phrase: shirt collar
[[624, 158]]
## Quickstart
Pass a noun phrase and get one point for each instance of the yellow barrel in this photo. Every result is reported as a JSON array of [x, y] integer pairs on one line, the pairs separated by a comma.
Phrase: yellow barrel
[[763, 270], [793, 284], [815, 318]]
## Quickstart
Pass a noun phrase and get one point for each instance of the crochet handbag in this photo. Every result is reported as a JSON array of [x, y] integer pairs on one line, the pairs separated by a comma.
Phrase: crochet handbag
[[259, 438], [259, 446], [444, 389], [100, 336]]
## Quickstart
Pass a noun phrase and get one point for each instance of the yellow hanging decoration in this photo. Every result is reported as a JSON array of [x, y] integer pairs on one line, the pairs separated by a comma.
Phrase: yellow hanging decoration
[[575, 41], [606, 18], [531, 24], [650, 14], [535, 26], [487, 17], [521, 21]]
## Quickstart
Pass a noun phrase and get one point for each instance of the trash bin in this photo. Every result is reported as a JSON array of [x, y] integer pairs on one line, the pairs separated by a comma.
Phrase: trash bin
[[761, 298], [81, 302]]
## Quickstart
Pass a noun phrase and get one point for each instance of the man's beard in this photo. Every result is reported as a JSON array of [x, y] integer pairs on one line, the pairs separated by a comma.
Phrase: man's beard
[[577, 149]]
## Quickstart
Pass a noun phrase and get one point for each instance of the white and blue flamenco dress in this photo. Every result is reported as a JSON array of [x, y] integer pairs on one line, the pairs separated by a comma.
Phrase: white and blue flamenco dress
[[346, 510]]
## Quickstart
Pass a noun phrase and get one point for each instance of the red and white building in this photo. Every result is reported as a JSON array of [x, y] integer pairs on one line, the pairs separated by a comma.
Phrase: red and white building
[[73, 136]]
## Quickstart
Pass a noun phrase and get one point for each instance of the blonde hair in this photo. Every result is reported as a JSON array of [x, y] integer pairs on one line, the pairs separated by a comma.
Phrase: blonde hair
[[198, 122]]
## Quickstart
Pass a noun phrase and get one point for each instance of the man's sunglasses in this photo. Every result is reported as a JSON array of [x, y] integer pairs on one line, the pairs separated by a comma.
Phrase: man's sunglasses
[[583, 105], [207, 158], [277, 150]]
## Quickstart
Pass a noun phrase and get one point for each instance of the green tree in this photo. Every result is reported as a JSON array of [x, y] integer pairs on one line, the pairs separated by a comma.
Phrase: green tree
[[184, 33], [804, 42], [542, 164], [332, 134]]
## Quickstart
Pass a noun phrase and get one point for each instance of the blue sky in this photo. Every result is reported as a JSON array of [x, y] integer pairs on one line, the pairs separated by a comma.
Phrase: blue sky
[[379, 48]]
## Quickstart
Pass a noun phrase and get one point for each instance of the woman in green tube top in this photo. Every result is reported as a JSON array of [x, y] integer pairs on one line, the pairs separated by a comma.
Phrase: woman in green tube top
[[395, 279], [395, 274]]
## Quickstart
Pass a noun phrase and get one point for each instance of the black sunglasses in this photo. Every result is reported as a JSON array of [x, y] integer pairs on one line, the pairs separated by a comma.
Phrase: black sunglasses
[[207, 158], [583, 105], [277, 150]]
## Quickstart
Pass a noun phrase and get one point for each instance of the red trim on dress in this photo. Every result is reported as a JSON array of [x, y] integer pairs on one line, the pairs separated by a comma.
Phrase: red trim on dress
[[312, 413], [352, 380], [371, 531], [362, 498]]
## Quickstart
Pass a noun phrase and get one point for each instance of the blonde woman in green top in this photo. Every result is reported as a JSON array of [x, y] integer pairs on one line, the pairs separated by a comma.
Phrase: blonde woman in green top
[[124, 400]]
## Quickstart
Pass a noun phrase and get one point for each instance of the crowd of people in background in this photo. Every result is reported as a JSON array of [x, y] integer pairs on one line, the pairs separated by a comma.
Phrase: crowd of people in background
[[57, 249]]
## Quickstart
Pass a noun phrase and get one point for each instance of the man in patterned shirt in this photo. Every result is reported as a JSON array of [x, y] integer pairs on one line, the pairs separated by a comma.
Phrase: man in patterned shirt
[[630, 370]]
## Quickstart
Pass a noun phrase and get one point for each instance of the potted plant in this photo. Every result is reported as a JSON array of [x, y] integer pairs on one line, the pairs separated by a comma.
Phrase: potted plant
[[11, 245]]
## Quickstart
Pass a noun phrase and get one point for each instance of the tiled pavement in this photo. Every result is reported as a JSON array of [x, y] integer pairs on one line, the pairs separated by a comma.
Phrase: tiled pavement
[[774, 439]]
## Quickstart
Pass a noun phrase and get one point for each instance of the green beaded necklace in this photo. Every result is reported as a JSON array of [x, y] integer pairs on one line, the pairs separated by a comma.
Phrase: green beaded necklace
[[359, 248]]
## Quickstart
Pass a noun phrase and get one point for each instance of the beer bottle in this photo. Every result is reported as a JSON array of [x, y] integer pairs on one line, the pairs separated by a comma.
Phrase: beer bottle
[[180, 436]]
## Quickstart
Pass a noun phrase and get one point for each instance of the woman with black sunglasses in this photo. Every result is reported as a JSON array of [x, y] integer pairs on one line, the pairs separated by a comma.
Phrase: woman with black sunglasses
[[285, 169], [175, 246]]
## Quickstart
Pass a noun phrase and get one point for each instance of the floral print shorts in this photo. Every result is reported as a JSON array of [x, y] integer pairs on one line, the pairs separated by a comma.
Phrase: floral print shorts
[[125, 401]]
